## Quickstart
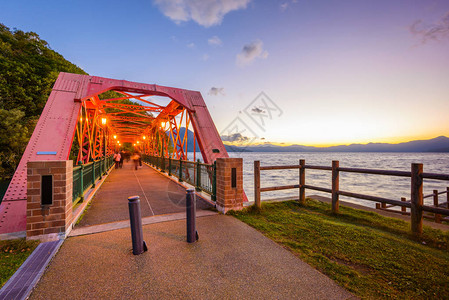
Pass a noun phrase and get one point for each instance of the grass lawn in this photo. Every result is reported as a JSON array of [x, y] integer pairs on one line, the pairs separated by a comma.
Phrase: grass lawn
[[12, 254], [368, 254]]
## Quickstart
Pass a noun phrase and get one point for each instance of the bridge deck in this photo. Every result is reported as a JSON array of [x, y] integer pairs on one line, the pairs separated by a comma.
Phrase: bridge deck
[[158, 195]]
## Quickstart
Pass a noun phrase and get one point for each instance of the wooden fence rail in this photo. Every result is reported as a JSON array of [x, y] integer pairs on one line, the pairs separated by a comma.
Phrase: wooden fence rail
[[416, 175]]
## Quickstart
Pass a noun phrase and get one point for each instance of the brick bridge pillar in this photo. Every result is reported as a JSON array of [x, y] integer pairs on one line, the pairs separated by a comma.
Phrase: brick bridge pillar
[[229, 184], [49, 199]]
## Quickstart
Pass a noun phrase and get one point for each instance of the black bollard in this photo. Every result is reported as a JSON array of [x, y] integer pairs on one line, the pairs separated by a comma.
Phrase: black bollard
[[192, 234], [139, 245]]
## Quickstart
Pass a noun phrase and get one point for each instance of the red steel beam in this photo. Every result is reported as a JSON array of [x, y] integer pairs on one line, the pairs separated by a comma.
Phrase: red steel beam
[[55, 131]]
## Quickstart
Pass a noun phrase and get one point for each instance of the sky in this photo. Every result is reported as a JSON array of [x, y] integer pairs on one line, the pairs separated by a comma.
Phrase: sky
[[285, 72]]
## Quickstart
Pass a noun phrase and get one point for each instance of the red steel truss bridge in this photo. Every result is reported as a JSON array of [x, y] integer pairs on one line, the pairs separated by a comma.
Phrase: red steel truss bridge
[[77, 112]]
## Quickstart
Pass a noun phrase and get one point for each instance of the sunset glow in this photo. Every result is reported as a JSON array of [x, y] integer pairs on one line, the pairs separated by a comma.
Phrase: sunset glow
[[338, 72]]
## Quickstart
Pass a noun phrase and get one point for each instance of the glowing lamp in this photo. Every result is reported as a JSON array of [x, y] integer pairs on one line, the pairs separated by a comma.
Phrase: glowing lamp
[[137, 142], [115, 136], [103, 121], [163, 124], [144, 137]]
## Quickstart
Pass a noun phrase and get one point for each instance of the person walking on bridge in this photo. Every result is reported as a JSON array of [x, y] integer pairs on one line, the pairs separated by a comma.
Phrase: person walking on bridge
[[135, 158], [117, 158], [122, 157]]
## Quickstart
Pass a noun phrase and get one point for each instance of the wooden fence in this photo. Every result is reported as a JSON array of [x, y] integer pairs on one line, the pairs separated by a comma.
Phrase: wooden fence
[[436, 203], [415, 204]]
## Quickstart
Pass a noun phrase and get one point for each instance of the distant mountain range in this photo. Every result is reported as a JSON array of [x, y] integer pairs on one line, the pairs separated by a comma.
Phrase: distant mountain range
[[438, 144]]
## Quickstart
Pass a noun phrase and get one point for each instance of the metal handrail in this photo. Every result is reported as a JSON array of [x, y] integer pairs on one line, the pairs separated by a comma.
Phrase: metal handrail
[[85, 176], [186, 170]]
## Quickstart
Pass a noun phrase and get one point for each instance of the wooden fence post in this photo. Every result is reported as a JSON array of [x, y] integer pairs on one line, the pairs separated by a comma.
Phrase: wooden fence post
[[435, 203], [447, 197], [403, 208], [257, 183], [416, 198], [302, 182], [335, 186]]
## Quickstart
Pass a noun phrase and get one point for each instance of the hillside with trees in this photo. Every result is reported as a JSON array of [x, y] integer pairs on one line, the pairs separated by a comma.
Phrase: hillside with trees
[[28, 70]]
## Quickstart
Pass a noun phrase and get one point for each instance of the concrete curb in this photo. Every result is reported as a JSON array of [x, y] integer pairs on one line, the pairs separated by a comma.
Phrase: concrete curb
[[145, 221]]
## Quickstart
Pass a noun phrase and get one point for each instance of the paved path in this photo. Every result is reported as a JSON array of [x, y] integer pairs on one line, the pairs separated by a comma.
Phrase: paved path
[[158, 195], [230, 261]]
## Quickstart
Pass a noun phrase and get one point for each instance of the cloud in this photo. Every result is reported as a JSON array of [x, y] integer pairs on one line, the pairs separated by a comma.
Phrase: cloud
[[191, 45], [250, 52], [235, 138], [214, 41], [204, 12], [205, 57], [434, 32], [216, 91], [284, 5]]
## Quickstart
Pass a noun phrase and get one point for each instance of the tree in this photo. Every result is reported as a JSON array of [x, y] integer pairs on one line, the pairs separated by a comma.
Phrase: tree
[[13, 140], [28, 70]]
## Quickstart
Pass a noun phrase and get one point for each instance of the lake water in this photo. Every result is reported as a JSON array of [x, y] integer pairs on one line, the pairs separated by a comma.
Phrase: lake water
[[375, 185]]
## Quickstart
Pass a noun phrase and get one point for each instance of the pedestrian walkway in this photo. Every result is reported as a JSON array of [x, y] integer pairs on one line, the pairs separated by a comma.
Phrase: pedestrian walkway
[[230, 260], [158, 196]]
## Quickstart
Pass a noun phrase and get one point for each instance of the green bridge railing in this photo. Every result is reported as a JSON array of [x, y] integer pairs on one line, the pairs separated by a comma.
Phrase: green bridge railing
[[85, 176], [200, 175]]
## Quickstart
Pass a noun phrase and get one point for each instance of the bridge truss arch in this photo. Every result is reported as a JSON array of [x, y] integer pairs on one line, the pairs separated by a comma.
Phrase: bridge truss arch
[[75, 111]]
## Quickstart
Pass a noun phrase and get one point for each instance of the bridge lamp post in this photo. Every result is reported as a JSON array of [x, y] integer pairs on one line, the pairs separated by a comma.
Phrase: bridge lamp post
[[103, 122], [144, 138]]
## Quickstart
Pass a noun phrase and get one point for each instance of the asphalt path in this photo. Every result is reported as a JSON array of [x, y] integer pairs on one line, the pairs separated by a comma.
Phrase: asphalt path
[[230, 260]]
